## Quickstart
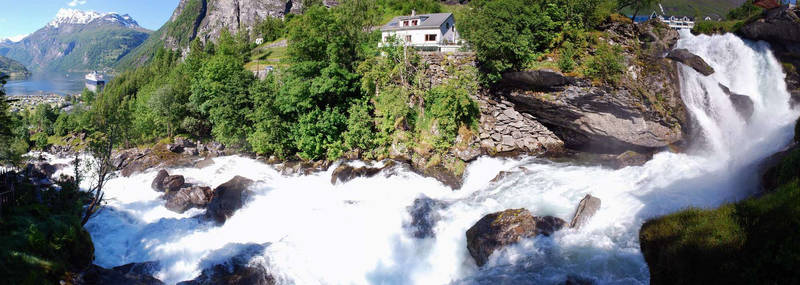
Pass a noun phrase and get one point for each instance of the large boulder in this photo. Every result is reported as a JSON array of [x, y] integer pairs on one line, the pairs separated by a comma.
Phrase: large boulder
[[500, 229], [642, 111], [424, 216], [173, 183], [228, 198], [586, 209], [692, 60], [189, 197], [742, 103], [158, 182], [345, 172]]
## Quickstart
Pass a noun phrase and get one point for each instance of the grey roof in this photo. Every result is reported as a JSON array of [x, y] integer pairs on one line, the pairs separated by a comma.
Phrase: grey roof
[[428, 21]]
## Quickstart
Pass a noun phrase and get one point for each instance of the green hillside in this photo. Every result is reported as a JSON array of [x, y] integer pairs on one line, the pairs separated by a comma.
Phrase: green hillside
[[12, 68]]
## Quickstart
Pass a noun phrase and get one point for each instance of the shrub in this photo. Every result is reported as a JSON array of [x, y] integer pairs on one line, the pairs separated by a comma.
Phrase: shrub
[[797, 131], [360, 132], [450, 107], [318, 130], [566, 62], [606, 65], [40, 140]]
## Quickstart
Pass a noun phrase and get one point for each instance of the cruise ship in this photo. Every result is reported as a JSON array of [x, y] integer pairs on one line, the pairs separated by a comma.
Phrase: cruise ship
[[94, 81]]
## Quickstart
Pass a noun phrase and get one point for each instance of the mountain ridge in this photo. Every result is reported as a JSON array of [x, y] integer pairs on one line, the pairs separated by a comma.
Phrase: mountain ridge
[[77, 41]]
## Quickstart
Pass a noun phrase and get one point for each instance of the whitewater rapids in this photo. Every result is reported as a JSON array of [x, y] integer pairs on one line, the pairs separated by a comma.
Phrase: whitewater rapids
[[353, 233]]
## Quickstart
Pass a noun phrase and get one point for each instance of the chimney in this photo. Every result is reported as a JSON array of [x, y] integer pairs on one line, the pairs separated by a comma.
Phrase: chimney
[[413, 13]]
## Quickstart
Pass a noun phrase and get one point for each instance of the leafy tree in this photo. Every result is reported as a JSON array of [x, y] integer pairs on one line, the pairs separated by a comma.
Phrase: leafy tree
[[271, 134], [10, 151], [270, 29], [220, 91], [506, 34], [360, 132], [318, 132]]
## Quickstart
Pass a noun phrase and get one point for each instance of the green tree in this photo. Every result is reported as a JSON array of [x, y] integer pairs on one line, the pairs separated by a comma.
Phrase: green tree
[[506, 34], [607, 64]]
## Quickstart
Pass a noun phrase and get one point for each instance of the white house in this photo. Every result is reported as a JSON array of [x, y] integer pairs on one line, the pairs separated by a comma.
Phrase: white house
[[425, 31]]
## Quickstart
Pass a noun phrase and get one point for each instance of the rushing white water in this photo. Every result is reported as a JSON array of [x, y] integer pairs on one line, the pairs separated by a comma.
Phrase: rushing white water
[[353, 233]]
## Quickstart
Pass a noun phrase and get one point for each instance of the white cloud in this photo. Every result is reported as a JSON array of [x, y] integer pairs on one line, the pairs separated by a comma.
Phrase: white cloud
[[76, 3]]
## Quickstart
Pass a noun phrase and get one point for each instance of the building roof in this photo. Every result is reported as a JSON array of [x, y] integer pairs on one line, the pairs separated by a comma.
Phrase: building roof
[[427, 21]]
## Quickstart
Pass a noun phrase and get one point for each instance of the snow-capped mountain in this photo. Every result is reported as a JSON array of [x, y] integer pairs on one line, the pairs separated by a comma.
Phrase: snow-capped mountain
[[77, 40], [78, 17]]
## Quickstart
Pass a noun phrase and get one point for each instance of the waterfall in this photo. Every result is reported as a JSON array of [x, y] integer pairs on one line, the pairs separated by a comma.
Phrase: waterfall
[[354, 233]]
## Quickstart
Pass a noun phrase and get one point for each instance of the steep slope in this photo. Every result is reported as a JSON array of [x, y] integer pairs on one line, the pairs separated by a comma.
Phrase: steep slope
[[206, 19], [77, 41], [13, 68], [713, 8]]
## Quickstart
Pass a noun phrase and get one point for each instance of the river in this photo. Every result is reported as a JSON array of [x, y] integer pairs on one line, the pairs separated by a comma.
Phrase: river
[[354, 233]]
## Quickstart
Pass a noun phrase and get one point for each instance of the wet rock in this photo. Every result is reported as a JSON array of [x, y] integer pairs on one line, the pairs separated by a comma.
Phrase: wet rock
[[189, 197], [176, 148], [98, 275], [345, 173], [631, 158], [158, 182], [228, 198], [40, 170], [236, 270], [184, 142], [500, 229], [173, 183], [692, 60], [204, 163], [537, 79], [742, 103], [424, 216], [586, 209], [578, 280]]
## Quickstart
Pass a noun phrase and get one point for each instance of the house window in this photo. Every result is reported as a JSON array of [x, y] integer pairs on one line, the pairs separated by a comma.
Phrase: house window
[[405, 23], [415, 22], [448, 26], [408, 38], [430, 38]]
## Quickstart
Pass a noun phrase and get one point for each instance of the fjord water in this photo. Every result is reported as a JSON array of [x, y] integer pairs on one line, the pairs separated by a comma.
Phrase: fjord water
[[354, 233], [47, 83]]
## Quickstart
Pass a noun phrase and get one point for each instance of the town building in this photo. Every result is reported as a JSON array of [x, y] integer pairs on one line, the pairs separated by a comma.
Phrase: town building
[[428, 32]]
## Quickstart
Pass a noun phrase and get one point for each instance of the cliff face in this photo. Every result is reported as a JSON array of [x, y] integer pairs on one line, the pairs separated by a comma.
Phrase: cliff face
[[206, 19], [781, 28], [643, 112]]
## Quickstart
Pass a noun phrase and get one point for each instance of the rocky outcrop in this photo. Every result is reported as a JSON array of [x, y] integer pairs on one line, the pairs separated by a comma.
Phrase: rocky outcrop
[[500, 229], [345, 173], [228, 198], [586, 209], [694, 61], [424, 216], [180, 153], [134, 274], [542, 79], [505, 131], [236, 270], [158, 182], [642, 112], [781, 28], [742, 103], [235, 15]]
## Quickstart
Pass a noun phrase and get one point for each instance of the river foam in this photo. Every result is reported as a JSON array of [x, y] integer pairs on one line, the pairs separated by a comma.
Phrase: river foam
[[355, 233]]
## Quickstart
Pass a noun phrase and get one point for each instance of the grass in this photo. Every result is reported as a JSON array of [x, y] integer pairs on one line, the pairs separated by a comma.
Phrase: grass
[[714, 27], [755, 241], [263, 56]]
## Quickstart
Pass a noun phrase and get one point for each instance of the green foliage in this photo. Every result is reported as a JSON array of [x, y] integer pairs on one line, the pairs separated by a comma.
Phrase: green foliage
[[744, 12], [40, 140], [271, 134], [635, 5], [318, 132], [9, 131], [566, 62], [270, 29], [449, 106], [750, 242], [42, 237], [715, 27], [13, 68], [360, 132], [607, 64], [797, 131], [507, 35]]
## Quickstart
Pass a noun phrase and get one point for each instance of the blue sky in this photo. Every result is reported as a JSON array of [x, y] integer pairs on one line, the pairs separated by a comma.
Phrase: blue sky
[[19, 17]]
